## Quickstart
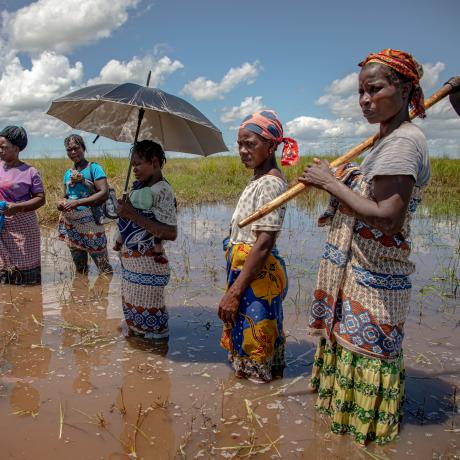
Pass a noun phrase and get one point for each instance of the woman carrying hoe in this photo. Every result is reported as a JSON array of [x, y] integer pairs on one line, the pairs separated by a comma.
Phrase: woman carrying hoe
[[362, 294]]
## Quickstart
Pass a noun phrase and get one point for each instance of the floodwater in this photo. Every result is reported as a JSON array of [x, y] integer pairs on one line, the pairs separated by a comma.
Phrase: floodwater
[[71, 387]]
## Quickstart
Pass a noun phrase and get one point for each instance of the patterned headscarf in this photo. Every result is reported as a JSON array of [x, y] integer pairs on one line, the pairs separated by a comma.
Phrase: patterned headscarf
[[265, 123], [406, 65], [16, 135]]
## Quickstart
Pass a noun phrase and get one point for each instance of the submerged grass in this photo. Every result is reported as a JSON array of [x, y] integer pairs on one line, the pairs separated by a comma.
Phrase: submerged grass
[[221, 180]]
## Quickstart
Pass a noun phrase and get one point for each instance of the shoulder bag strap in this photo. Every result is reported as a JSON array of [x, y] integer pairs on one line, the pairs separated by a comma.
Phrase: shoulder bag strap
[[91, 171]]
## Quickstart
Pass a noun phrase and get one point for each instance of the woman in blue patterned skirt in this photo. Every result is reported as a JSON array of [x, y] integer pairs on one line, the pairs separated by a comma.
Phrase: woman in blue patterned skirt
[[145, 219]]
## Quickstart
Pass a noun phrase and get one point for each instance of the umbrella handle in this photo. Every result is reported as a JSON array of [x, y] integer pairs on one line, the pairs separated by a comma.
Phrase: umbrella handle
[[139, 121]]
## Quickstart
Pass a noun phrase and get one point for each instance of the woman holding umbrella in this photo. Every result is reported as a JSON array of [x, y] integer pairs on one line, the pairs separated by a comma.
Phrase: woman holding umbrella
[[251, 309], [21, 194], [145, 219], [80, 223], [362, 295]]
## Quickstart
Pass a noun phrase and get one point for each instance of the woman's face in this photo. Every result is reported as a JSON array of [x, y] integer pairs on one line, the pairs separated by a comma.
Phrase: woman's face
[[9, 152], [253, 149], [380, 99], [144, 169], [75, 151]]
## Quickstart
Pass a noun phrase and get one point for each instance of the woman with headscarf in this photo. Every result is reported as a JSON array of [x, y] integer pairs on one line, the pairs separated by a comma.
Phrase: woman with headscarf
[[362, 295], [80, 222], [21, 193], [251, 308]]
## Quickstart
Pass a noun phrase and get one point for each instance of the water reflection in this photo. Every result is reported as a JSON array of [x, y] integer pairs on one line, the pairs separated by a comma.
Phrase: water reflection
[[26, 357], [60, 345], [144, 400], [86, 327]]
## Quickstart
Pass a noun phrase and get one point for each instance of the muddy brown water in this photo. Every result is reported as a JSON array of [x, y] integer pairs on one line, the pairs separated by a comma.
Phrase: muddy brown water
[[71, 387]]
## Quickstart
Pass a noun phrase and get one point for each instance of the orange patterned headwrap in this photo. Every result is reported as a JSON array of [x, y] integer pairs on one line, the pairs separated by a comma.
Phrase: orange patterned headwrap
[[406, 65], [265, 123]]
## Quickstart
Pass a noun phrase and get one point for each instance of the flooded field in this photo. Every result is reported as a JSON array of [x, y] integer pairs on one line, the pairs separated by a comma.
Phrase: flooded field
[[71, 387]]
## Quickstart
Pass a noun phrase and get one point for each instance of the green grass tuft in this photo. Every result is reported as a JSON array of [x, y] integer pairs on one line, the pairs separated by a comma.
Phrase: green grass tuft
[[221, 179]]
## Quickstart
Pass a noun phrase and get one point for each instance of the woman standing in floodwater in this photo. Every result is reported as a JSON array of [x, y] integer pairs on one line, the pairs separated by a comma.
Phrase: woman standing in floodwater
[[251, 309], [362, 294], [21, 194], [145, 220], [80, 222]]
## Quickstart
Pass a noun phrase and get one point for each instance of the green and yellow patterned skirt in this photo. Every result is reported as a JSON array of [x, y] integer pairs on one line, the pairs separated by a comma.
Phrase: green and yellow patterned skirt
[[363, 396]]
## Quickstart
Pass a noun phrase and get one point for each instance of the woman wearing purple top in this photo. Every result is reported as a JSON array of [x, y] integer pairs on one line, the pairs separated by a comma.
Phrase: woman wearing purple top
[[21, 189]]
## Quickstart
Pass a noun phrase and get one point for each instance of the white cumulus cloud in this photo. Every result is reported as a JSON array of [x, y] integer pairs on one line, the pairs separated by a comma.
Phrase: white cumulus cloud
[[431, 74], [39, 124], [348, 128], [248, 106], [63, 25], [23, 90], [202, 89], [136, 70]]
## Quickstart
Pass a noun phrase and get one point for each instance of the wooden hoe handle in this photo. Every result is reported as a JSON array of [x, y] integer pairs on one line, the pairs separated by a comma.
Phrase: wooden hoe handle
[[452, 85]]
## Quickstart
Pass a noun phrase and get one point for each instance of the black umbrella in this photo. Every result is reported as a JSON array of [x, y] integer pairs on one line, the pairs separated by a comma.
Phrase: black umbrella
[[128, 112]]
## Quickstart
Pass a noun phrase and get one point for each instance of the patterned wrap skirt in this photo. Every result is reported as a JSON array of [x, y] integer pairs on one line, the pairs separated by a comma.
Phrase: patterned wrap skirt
[[144, 277], [255, 344], [362, 395], [20, 249], [359, 308], [80, 231]]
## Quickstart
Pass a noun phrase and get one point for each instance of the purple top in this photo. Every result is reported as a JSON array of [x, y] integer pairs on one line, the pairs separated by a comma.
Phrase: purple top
[[18, 184]]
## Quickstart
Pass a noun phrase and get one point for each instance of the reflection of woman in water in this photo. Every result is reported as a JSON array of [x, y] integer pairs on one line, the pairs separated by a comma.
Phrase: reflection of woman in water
[[88, 310], [27, 359], [147, 386]]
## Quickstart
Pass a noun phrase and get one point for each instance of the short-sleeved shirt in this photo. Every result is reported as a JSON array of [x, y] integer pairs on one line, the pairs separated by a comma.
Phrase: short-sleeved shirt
[[402, 152], [257, 193], [20, 183], [79, 190]]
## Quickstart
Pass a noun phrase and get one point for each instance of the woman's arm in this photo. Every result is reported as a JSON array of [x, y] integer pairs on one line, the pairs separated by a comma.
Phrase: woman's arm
[[158, 229], [391, 193], [99, 197], [228, 306], [37, 201]]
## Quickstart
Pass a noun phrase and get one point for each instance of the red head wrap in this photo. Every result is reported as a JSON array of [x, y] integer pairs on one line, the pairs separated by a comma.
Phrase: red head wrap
[[406, 65], [265, 123]]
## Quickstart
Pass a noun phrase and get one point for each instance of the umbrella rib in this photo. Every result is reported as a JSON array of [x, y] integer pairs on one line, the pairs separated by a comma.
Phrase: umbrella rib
[[161, 130]]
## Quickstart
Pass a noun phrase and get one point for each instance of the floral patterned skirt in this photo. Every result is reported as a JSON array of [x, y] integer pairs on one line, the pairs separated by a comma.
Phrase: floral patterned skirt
[[255, 343], [363, 396]]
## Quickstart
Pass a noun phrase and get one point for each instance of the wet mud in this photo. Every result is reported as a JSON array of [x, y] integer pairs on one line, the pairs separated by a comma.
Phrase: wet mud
[[72, 387]]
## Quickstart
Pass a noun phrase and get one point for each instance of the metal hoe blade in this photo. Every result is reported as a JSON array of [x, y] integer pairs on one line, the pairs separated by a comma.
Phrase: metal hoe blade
[[455, 100], [454, 95]]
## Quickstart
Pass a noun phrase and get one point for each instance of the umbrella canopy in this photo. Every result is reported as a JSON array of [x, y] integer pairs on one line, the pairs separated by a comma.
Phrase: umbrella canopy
[[112, 111]]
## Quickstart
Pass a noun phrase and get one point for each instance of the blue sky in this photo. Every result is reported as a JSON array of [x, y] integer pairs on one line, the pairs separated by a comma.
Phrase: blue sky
[[227, 58]]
